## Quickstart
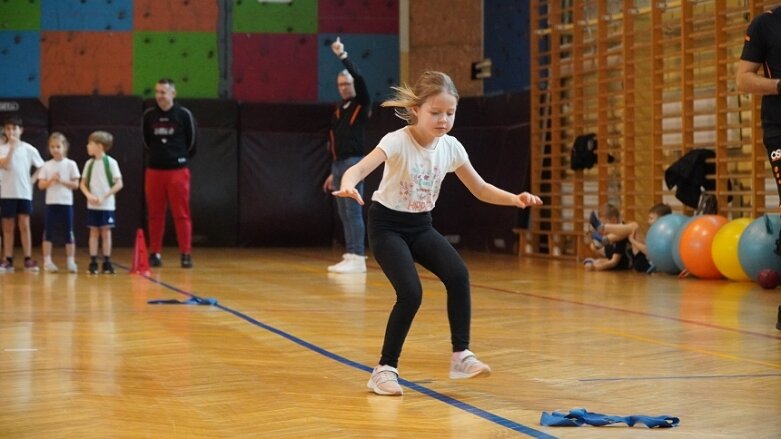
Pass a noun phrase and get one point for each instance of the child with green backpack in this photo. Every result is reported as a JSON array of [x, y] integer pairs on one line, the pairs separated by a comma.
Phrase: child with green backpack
[[102, 180]]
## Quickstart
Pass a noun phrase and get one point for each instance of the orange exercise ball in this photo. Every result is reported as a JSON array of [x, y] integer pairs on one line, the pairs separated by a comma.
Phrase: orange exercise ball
[[697, 243]]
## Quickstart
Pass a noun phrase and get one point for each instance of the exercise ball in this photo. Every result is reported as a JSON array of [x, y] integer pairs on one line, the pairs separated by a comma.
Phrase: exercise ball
[[659, 241], [725, 249], [677, 245], [696, 245], [756, 248]]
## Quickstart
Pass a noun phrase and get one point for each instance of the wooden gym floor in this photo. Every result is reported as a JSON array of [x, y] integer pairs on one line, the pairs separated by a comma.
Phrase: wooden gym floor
[[287, 350]]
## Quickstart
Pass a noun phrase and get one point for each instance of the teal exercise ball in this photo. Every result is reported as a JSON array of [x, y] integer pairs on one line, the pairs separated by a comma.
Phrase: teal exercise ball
[[660, 240], [757, 244]]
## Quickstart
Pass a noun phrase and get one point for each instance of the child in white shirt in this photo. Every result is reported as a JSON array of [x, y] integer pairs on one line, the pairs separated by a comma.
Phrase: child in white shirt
[[59, 177], [17, 159], [101, 181]]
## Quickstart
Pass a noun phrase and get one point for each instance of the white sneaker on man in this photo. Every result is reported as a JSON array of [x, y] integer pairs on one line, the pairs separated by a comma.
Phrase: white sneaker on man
[[72, 267], [385, 381], [351, 263]]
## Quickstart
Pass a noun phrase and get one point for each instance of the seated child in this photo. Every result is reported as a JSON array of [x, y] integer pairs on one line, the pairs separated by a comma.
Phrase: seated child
[[616, 254], [631, 232]]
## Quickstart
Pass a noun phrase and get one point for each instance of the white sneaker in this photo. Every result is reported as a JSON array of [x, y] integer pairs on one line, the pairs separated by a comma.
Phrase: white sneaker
[[385, 381], [49, 267], [72, 267], [467, 366], [331, 268], [350, 264]]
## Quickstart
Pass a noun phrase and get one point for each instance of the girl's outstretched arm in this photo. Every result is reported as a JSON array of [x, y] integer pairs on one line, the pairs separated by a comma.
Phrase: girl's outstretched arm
[[491, 194], [357, 173]]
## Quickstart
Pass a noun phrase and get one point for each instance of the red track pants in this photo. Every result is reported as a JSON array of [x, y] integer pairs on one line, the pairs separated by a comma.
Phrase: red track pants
[[162, 187]]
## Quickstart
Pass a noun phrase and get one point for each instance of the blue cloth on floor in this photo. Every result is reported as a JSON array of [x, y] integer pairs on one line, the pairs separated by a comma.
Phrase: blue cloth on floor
[[194, 300], [579, 417]]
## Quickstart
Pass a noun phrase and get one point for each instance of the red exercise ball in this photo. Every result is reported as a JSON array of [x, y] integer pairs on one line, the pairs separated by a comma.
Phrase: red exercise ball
[[696, 244], [768, 278]]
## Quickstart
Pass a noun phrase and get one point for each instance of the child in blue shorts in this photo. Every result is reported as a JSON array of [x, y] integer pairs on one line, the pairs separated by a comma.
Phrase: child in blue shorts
[[102, 180], [59, 177]]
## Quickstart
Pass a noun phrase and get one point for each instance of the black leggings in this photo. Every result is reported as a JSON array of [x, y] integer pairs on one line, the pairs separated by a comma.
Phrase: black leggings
[[773, 148], [398, 240]]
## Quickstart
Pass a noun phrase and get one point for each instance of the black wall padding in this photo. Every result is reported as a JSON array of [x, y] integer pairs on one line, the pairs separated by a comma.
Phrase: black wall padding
[[35, 118], [77, 117], [495, 132], [283, 163], [259, 169], [214, 198]]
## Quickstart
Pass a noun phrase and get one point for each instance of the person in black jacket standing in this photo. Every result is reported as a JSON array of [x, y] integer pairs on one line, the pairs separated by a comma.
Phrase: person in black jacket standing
[[169, 140], [347, 136], [762, 50]]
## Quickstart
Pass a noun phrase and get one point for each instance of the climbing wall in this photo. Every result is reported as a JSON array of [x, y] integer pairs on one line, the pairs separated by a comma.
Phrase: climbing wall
[[506, 42], [20, 48], [190, 58], [86, 63], [244, 49]]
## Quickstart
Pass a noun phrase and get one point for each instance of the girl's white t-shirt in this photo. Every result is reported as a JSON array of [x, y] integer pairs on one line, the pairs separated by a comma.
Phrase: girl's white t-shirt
[[17, 181], [99, 184], [413, 175], [69, 171]]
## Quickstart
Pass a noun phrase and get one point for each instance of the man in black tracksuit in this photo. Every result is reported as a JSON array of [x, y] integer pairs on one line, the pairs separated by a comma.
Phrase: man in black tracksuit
[[169, 140]]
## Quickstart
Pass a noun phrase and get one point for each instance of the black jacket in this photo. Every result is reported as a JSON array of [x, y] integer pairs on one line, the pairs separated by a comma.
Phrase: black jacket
[[348, 132], [169, 137], [689, 175]]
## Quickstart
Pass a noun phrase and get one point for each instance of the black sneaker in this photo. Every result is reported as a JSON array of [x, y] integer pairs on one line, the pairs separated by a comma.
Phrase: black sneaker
[[93, 268], [187, 261], [108, 268], [155, 260]]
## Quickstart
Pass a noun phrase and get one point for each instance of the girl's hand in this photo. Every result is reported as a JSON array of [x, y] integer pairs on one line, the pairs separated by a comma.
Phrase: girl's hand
[[526, 199], [349, 193]]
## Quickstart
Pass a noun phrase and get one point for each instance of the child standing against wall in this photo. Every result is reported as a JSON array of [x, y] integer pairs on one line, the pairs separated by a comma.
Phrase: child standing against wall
[[102, 180], [59, 177], [17, 159]]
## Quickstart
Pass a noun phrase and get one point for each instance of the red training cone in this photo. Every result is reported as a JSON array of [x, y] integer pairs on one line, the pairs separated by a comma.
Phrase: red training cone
[[140, 256]]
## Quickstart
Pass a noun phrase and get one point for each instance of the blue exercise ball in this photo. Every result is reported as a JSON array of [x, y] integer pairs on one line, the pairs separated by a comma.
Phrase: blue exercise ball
[[660, 239], [756, 247]]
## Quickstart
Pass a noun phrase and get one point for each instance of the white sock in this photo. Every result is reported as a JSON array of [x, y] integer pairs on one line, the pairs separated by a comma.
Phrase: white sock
[[71, 260], [47, 260]]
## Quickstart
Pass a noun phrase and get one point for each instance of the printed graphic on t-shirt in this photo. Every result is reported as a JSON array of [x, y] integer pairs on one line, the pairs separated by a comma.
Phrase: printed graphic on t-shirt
[[422, 192]]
